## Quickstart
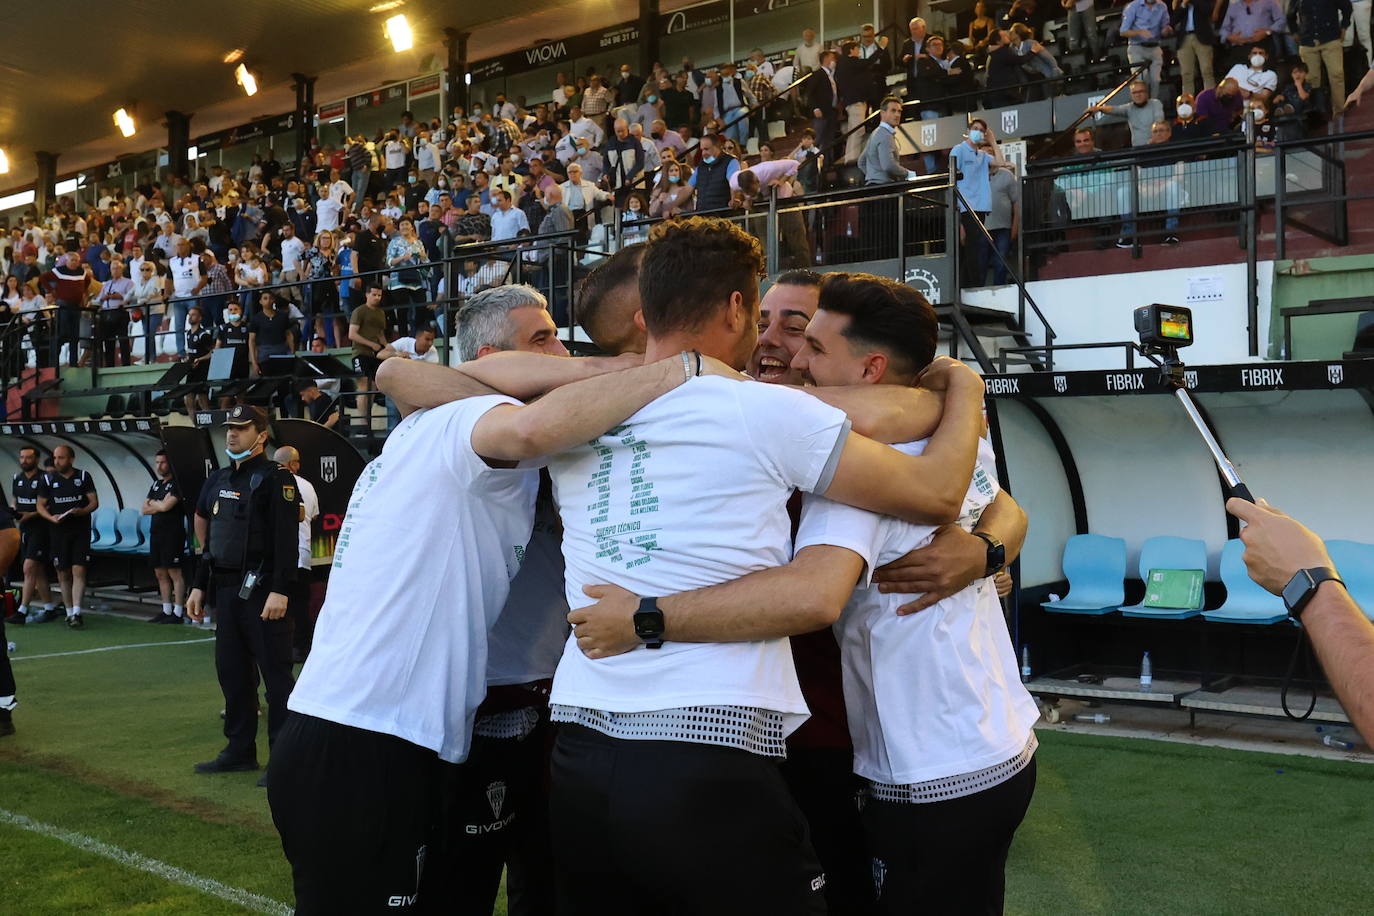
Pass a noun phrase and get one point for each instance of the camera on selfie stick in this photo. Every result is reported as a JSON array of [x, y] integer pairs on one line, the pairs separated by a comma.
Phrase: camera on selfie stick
[[1163, 329]]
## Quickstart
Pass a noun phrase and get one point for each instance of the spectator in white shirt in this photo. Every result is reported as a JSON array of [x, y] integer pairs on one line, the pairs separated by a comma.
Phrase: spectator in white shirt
[[1254, 77], [807, 57], [187, 281], [508, 220], [583, 127], [291, 250], [420, 347], [327, 210]]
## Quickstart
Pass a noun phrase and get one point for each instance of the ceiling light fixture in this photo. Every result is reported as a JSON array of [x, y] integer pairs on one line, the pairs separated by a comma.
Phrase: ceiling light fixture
[[125, 122], [398, 30], [233, 56], [245, 79], [4, 163], [383, 7]]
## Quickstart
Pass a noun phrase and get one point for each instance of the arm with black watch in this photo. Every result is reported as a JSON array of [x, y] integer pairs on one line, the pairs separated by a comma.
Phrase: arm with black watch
[[1303, 586], [649, 623], [997, 553]]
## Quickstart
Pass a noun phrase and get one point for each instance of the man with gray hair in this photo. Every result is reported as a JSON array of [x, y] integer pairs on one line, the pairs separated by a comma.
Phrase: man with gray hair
[[399, 665], [298, 610], [512, 317]]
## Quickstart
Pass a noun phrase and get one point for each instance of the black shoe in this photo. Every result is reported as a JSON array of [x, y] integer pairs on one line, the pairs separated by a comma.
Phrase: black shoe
[[225, 764], [159, 617], [51, 614], [1171, 239], [1124, 243], [16, 620], [6, 722], [75, 622]]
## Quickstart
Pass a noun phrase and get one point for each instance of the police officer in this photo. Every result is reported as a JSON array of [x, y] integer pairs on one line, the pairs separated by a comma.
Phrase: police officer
[[247, 572], [33, 534]]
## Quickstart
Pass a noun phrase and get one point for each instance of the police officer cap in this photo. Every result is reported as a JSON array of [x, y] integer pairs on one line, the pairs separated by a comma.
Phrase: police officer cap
[[246, 414]]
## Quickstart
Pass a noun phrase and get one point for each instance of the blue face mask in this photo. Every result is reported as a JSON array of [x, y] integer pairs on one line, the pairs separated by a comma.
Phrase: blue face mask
[[727, 79], [708, 159], [653, 99], [674, 179], [238, 456], [975, 136]]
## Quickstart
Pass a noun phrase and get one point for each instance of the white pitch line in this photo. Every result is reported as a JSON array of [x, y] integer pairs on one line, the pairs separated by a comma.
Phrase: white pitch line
[[171, 873], [137, 645]]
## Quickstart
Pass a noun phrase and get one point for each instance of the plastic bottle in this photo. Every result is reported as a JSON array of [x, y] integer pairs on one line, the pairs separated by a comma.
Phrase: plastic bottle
[[1097, 718], [1338, 743], [1147, 674], [11, 646], [1025, 664]]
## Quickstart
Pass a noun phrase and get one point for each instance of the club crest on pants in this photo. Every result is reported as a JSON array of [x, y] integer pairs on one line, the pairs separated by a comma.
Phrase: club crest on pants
[[496, 797]]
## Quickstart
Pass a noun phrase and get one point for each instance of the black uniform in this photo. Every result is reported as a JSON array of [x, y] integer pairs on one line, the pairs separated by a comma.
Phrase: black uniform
[[6, 674], [33, 534], [199, 342], [236, 336], [167, 531], [70, 539], [253, 510]]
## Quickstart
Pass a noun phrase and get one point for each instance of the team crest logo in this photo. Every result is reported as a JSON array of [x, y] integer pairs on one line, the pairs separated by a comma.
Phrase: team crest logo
[[879, 874], [496, 797], [1190, 378], [925, 282], [929, 133], [1061, 384], [1011, 119], [1335, 374], [329, 468], [288, 493]]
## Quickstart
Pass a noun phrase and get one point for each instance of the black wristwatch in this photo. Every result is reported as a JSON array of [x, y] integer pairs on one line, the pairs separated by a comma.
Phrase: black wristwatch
[[997, 554], [1300, 589], [649, 623]]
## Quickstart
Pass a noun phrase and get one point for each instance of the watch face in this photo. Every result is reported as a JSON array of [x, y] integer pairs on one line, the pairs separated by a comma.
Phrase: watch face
[[1296, 588], [648, 624]]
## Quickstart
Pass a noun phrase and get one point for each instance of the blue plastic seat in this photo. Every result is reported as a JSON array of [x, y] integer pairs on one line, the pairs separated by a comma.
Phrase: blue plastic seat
[[145, 530], [1246, 601], [129, 537], [104, 536], [1355, 563], [1168, 553], [1095, 566]]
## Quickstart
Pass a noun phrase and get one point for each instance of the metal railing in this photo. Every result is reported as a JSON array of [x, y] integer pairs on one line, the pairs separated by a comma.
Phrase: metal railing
[[1308, 182]]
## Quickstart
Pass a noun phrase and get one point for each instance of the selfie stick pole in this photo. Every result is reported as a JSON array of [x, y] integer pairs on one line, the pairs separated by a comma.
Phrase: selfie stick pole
[[1173, 376]]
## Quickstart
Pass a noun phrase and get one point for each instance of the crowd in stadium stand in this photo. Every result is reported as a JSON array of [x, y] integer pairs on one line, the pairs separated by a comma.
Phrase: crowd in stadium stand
[[109, 281]]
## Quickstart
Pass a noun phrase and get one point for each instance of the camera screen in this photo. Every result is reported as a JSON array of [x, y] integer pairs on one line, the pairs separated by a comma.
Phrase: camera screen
[[1175, 325]]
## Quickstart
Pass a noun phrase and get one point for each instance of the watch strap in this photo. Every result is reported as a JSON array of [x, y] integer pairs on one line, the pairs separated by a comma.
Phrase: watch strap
[[996, 554], [1309, 580]]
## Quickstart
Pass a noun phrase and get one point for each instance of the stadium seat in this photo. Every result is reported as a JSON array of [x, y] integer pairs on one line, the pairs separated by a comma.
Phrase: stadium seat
[[1096, 569], [104, 535], [145, 530], [1168, 553], [1355, 563], [1246, 601], [128, 526]]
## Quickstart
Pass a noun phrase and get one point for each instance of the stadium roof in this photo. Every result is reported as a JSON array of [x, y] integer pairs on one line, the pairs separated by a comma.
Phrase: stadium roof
[[77, 63]]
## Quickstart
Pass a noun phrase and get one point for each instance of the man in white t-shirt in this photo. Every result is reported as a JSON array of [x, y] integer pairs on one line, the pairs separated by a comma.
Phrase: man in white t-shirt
[[327, 210], [302, 626], [292, 247], [692, 492], [420, 347], [187, 281], [399, 660]]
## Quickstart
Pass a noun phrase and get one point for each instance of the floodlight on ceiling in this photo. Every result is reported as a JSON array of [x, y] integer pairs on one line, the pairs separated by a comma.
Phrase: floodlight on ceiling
[[4, 163], [245, 79], [398, 31], [383, 7], [234, 56], [125, 122]]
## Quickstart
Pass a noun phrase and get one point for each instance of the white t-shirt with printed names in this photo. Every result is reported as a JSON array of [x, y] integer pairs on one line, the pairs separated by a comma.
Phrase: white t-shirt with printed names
[[310, 502], [690, 492], [932, 694], [422, 567]]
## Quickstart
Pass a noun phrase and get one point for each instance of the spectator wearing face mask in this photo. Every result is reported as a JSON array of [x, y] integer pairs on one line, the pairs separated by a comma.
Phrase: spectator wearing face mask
[[1139, 114], [1187, 126], [649, 109], [1254, 76], [667, 198], [663, 139], [1258, 128], [581, 196], [1220, 108]]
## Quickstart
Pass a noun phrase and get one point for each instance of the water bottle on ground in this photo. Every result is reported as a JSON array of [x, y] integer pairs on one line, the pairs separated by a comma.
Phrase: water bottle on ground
[[1338, 742], [1025, 664], [1097, 718], [1147, 674], [11, 647]]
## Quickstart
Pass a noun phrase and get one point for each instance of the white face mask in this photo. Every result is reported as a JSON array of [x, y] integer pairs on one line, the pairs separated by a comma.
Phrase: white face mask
[[1185, 111], [1257, 61]]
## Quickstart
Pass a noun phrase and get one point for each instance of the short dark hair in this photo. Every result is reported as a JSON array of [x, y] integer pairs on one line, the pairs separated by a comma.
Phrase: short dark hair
[[619, 270], [305, 384], [29, 448], [888, 100], [848, 46], [885, 315], [799, 276], [374, 284], [677, 289], [160, 453]]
